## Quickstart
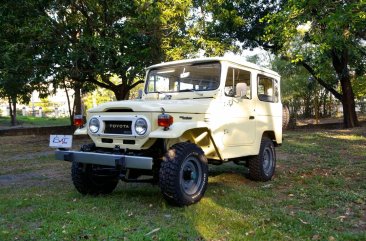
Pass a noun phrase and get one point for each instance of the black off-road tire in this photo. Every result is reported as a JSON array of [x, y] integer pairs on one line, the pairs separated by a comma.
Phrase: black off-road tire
[[183, 175], [262, 166], [87, 183]]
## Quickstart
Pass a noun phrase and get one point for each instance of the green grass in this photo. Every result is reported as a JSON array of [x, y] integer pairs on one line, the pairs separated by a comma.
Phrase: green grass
[[318, 193], [31, 121]]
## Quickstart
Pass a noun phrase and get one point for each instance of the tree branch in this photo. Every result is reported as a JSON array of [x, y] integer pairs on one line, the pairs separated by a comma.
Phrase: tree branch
[[100, 84], [321, 82], [135, 84]]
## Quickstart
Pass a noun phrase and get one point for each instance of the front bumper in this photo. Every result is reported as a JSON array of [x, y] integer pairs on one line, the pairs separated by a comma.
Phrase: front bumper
[[114, 160]]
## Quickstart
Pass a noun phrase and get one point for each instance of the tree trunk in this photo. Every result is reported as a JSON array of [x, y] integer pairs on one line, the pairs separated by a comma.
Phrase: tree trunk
[[68, 104], [316, 109], [77, 100], [121, 92], [307, 107], [348, 102], [324, 99], [340, 64], [13, 110], [10, 111]]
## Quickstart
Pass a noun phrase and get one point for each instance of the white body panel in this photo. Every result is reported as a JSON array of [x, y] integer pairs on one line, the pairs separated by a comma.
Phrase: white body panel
[[235, 124]]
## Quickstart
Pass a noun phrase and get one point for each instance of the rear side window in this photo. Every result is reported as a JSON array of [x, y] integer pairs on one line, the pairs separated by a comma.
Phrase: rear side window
[[267, 89]]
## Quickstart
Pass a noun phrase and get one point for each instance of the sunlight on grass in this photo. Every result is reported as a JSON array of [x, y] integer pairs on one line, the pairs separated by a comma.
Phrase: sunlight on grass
[[345, 137], [211, 219]]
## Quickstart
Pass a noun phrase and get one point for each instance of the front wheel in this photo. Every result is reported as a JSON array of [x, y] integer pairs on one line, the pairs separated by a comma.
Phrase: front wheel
[[262, 166], [93, 179], [183, 174]]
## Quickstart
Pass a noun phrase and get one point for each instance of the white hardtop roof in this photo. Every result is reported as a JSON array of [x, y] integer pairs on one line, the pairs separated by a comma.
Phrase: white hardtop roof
[[235, 60]]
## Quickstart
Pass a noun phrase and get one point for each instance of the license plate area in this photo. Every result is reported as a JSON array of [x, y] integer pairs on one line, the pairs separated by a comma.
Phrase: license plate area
[[118, 127]]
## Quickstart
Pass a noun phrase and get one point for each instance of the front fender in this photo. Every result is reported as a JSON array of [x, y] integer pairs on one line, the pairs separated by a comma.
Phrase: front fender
[[177, 129]]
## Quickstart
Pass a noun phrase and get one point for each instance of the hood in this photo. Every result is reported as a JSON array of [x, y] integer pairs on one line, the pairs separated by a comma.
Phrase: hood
[[170, 106]]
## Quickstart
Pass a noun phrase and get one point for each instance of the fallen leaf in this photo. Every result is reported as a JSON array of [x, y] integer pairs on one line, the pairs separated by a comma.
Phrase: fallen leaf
[[152, 231], [303, 221], [316, 237]]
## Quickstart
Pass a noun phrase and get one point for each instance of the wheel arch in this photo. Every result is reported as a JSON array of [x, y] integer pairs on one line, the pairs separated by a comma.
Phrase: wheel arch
[[271, 135], [200, 136]]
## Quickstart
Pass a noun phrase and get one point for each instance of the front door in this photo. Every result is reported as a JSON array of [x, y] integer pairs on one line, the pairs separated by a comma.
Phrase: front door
[[239, 109]]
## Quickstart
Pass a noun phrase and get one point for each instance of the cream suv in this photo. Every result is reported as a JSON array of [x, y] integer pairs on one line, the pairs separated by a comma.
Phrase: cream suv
[[191, 113]]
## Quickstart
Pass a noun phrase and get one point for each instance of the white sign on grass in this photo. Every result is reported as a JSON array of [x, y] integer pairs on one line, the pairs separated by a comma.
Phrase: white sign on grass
[[61, 141]]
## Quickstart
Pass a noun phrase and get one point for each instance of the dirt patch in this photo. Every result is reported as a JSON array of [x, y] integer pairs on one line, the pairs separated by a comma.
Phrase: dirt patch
[[27, 153], [38, 178]]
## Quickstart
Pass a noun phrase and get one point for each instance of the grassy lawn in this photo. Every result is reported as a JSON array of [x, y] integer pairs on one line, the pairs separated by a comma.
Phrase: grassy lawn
[[318, 193], [31, 121]]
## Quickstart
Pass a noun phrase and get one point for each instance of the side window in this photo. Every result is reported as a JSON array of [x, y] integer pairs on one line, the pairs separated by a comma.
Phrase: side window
[[238, 83], [267, 89]]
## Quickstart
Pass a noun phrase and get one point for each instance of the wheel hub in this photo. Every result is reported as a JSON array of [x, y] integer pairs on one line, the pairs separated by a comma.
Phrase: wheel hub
[[267, 161], [190, 175]]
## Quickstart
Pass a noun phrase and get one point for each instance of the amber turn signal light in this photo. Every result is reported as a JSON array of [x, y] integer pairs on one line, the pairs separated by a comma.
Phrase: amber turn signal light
[[165, 120]]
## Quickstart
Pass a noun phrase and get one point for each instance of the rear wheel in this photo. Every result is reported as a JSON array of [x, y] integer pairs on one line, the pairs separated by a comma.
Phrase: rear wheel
[[93, 179], [184, 174], [262, 166]]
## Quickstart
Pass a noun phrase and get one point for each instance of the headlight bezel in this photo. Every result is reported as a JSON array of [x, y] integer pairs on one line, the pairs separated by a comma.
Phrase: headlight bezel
[[139, 124], [91, 125]]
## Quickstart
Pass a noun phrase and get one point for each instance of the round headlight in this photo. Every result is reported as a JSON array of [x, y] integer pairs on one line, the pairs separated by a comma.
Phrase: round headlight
[[94, 125], [140, 126]]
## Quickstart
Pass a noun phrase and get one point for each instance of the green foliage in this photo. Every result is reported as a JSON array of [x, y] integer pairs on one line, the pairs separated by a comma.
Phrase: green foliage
[[16, 51], [47, 105], [327, 38], [359, 87], [97, 40], [88, 42], [230, 24], [314, 31], [96, 97], [294, 83]]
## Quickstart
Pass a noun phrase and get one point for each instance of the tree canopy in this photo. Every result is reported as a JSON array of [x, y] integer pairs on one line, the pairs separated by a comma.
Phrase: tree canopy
[[19, 54], [94, 40], [327, 38], [86, 42]]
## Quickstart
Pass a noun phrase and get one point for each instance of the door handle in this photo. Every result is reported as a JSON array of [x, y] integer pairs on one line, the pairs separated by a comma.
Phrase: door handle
[[251, 117]]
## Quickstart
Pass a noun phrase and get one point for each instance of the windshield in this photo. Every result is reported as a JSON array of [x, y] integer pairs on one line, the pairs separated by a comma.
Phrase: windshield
[[184, 77]]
